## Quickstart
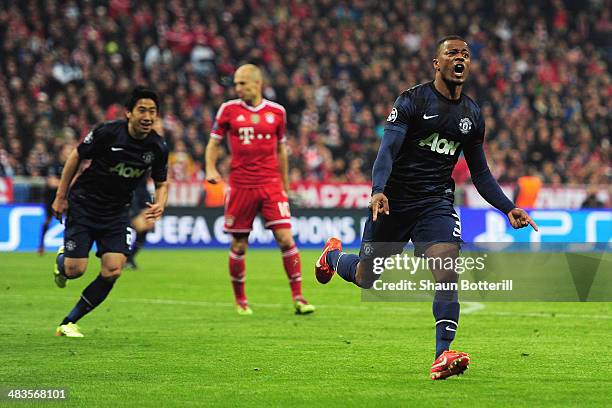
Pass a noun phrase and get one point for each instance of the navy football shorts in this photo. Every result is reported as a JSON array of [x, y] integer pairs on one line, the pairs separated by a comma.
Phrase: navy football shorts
[[425, 222], [82, 229]]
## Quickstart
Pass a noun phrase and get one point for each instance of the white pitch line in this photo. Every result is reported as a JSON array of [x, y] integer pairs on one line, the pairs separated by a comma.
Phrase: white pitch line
[[472, 307]]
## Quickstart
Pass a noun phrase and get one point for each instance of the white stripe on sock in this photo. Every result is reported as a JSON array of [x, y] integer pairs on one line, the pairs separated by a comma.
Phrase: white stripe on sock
[[447, 321]]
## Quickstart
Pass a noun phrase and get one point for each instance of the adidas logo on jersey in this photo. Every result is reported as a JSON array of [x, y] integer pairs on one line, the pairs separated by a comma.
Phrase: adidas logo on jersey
[[442, 146]]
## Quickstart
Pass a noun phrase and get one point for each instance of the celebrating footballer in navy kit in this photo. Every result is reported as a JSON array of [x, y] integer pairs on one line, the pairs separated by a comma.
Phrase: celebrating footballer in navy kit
[[413, 191], [97, 204]]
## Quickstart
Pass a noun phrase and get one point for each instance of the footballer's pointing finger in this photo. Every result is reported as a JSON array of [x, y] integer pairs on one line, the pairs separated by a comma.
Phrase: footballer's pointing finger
[[385, 204], [532, 223], [374, 210]]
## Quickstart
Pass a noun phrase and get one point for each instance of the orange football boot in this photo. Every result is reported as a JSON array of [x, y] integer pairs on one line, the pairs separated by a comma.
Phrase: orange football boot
[[323, 271], [449, 363]]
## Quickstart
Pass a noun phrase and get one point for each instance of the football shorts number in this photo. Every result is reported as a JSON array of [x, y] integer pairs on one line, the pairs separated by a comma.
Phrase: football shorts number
[[128, 236], [283, 209], [457, 229]]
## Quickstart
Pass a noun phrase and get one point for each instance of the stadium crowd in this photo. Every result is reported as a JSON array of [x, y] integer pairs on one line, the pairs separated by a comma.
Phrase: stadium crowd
[[540, 72]]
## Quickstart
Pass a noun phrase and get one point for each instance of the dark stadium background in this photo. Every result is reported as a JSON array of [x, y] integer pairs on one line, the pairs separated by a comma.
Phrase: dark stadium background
[[540, 72]]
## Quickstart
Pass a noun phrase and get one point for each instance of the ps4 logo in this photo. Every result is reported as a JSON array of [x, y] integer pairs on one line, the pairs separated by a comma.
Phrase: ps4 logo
[[554, 226]]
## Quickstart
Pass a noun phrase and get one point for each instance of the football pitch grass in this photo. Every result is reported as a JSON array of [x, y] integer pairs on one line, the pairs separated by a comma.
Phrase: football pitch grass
[[168, 335]]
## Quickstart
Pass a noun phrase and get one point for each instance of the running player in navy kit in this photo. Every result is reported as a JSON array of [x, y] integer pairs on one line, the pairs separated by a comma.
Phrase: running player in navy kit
[[96, 207], [413, 192]]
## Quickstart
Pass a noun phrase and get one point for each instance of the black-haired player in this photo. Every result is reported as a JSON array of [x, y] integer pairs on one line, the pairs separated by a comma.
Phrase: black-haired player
[[96, 207], [413, 191]]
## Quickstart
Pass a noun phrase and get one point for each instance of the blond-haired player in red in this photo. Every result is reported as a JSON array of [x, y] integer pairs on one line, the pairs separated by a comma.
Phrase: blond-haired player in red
[[258, 180]]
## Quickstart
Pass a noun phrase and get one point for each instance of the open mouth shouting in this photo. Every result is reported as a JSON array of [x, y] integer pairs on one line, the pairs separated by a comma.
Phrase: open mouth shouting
[[459, 69]]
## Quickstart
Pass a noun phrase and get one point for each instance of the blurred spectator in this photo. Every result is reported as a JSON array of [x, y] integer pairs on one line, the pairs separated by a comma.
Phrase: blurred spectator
[[592, 201], [527, 189], [540, 72]]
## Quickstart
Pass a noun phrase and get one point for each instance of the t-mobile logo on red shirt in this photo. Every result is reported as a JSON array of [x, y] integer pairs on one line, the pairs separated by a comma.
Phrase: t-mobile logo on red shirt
[[246, 134]]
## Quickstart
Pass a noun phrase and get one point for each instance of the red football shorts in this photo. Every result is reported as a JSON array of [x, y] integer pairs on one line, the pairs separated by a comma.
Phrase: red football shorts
[[243, 204]]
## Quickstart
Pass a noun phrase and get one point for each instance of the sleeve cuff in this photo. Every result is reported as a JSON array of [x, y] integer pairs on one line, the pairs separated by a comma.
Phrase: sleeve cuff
[[509, 206]]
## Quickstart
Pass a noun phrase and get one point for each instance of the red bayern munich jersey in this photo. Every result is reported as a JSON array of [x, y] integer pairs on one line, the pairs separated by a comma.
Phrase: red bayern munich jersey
[[254, 134]]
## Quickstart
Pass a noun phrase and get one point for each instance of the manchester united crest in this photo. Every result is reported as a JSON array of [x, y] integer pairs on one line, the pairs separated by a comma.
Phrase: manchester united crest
[[465, 125], [70, 245], [147, 157]]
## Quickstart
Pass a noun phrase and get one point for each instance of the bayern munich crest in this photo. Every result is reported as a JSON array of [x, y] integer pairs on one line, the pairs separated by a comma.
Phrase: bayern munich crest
[[269, 117], [465, 125]]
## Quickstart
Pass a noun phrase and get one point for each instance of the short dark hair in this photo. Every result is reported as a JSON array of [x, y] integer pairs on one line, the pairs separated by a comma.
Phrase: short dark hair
[[141, 92], [442, 40]]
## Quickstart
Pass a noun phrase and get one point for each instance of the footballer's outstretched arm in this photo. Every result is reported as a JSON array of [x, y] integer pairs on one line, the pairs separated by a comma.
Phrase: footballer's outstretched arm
[[60, 204], [488, 188], [389, 148], [211, 156]]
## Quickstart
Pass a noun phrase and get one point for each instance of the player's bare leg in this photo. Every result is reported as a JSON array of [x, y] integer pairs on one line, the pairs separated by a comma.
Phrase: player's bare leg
[[293, 268], [94, 293], [365, 276], [75, 267], [446, 312], [238, 248]]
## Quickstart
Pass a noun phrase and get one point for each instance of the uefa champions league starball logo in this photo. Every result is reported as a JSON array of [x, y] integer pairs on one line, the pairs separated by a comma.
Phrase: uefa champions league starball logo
[[392, 116], [465, 125]]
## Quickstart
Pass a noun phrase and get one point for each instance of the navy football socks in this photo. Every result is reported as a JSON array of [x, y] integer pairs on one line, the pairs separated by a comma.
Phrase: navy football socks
[[446, 312], [344, 264], [92, 296]]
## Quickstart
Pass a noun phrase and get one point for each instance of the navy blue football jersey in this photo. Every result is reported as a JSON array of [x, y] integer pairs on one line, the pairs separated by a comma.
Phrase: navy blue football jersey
[[118, 164], [436, 131]]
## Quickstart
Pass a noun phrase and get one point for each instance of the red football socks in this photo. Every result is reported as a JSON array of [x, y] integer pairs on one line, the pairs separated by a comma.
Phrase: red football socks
[[293, 268], [236, 269]]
